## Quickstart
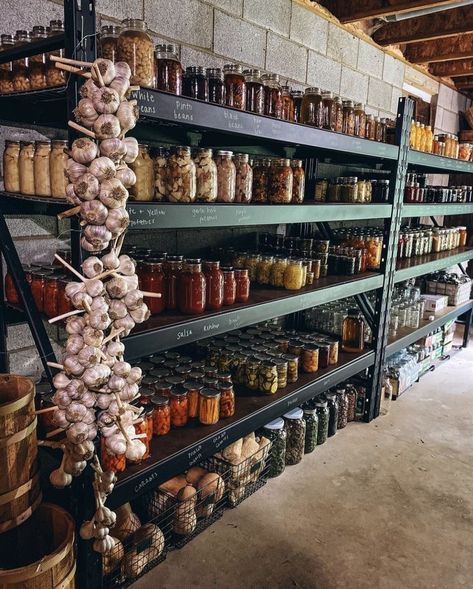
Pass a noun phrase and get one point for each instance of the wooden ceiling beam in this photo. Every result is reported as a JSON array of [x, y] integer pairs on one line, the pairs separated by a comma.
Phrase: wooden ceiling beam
[[464, 83], [423, 28], [452, 69], [360, 9], [460, 47]]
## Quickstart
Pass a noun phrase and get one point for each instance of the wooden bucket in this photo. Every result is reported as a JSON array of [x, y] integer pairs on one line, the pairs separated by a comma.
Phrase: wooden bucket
[[40, 553], [20, 491]]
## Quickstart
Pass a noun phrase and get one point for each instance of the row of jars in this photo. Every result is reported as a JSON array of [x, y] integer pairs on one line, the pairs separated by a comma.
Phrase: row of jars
[[351, 189], [182, 177], [31, 73], [416, 190], [422, 138], [360, 238], [426, 240], [35, 167]]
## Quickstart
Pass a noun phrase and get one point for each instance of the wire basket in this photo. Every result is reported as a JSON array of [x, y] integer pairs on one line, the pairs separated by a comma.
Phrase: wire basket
[[244, 478]]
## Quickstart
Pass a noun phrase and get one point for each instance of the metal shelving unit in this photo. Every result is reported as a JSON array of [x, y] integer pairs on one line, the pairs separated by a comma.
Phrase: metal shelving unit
[[438, 163], [434, 209], [425, 264]]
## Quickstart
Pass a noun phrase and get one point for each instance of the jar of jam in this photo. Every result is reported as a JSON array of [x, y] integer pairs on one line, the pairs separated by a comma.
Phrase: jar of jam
[[226, 176], [254, 91], [20, 73], [168, 69], [242, 285], [338, 114], [136, 48], [38, 62], [209, 406], [272, 95], [287, 113], [370, 132], [172, 269], [348, 117], [235, 86], [261, 170], [191, 288], [179, 403], [360, 120], [108, 43], [51, 296], [6, 80], [152, 279], [161, 415], [54, 76], [312, 108], [214, 285], [298, 183], [227, 399], [195, 83], [243, 179], [329, 111], [281, 182], [193, 389], [109, 461], [216, 85], [297, 96], [229, 286]]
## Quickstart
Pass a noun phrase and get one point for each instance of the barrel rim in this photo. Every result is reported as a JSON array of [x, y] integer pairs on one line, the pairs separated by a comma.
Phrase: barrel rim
[[30, 390]]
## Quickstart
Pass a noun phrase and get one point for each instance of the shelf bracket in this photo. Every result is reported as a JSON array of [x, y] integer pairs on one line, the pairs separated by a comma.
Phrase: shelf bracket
[[366, 308]]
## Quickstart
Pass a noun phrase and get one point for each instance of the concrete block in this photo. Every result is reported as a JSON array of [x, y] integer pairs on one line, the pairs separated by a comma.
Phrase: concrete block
[[120, 9], [39, 250], [370, 60], [239, 40], [380, 94], [370, 110], [438, 124], [445, 96], [309, 29], [24, 15], [37, 225], [323, 72], [286, 58], [354, 85], [19, 336], [397, 93], [342, 46], [26, 363], [233, 6], [191, 56], [274, 15], [420, 80], [458, 102], [187, 21], [450, 122], [393, 71]]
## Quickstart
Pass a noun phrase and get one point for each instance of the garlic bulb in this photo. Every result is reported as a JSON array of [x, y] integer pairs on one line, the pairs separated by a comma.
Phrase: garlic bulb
[[92, 267], [107, 126], [113, 194], [111, 261], [122, 70], [131, 149], [126, 176], [60, 479], [102, 168], [115, 149], [135, 451], [121, 85], [106, 100], [106, 68], [74, 170], [84, 150], [87, 530], [127, 114]]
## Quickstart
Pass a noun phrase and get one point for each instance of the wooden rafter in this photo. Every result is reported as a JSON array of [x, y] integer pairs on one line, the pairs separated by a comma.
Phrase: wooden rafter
[[460, 47], [351, 11], [464, 83], [452, 69], [423, 28]]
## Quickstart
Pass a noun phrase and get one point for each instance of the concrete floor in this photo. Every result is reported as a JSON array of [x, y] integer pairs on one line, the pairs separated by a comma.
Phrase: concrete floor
[[387, 505]]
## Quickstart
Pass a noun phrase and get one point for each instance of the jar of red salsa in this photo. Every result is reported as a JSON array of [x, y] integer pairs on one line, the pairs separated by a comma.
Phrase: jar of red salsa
[[242, 285], [191, 292], [38, 285], [229, 286], [10, 290], [152, 280], [64, 305], [214, 285], [172, 268], [51, 296]]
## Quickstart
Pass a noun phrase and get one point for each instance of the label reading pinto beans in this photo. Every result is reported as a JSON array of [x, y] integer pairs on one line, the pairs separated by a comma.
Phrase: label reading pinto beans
[[183, 111]]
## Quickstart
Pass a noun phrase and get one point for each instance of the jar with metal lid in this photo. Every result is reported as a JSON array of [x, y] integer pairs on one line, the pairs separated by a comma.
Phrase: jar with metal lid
[[243, 179], [216, 85], [268, 378], [338, 114], [263, 270], [51, 296], [360, 120], [293, 275], [229, 286], [276, 433], [193, 389], [160, 171], [321, 186], [277, 272], [209, 406], [26, 167], [261, 174], [298, 183], [161, 415], [312, 112], [292, 367], [179, 403], [172, 268], [374, 245], [348, 117], [252, 367], [136, 48], [227, 399], [37, 63], [168, 69], [378, 131], [272, 95], [295, 430], [214, 285], [38, 285], [235, 86], [297, 97], [370, 130], [181, 176], [351, 393], [463, 231], [143, 167], [42, 179], [252, 262], [111, 462], [282, 370], [287, 111], [311, 430], [206, 176], [226, 176], [20, 69], [6, 74], [195, 83], [353, 338], [152, 279], [11, 166], [342, 399], [329, 111], [57, 162], [310, 359], [54, 76], [323, 413], [332, 403], [191, 289], [254, 91], [108, 42], [242, 285], [281, 182]]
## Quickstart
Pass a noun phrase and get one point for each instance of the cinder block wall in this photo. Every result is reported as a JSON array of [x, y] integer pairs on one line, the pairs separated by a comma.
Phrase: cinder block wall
[[280, 36]]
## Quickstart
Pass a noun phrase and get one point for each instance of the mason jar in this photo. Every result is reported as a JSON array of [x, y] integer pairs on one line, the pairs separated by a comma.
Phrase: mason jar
[[181, 176], [206, 176], [136, 48]]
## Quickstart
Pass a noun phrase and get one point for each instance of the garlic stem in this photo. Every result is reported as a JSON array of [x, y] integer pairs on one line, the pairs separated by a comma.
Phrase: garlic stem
[[104, 274], [55, 365], [69, 213], [73, 70], [112, 335], [133, 89], [81, 129], [151, 295], [71, 61], [54, 445], [98, 73], [45, 410], [65, 315], [70, 268], [55, 432]]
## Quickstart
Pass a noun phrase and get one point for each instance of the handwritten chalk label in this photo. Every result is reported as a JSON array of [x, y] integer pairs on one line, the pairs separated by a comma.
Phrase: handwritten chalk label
[[183, 334], [147, 102], [183, 111], [220, 440], [211, 327]]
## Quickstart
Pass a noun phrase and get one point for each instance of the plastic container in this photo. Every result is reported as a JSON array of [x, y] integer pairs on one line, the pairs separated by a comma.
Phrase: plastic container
[[295, 430]]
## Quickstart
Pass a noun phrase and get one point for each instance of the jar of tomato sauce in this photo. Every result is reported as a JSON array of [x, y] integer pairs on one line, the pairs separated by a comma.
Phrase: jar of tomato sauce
[[153, 280], [10, 290], [242, 286], [38, 285], [161, 415], [179, 406], [51, 296], [191, 288], [172, 268], [229, 286], [214, 285], [64, 305]]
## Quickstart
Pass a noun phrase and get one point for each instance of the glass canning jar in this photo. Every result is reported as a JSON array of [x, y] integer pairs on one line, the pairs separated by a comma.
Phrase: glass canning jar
[[206, 176], [20, 70], [276, 433], [229, 286], [272, 95], [323, 417], [181, 176], [312, 108], [26, 167], [353, 332], [268, 378], [287, 113], [152, 279], [261, 172], [179, 404], [136, 48], [11, 166], [193, 389], [360, 119], [370, 131], [108, 42], [281, 182], [329, 111], [254, 91], [216, 85], [6, 75], [235, 86], [214, 285], [252, 261], [226, 176], [293, 275], [51, 296], [161, 415], [54, 76], [297, 96], [263, 269], [143, 167], [342, 408], [209, 406], [310, 358], [191, 291], [242, 285], [168, 69], [57, 162], [195, 83], [227, 399], [298, 183], [338, 114], [311, 430], [244, 178], [282, 368], [277, 272], [332, 403], [348, 117], [37, 70], [42, 179], [160, 163], [295, 430]]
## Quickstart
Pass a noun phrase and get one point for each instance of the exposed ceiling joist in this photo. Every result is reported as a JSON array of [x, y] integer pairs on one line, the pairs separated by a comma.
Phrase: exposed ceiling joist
[[460, 47], [464, 83], [424, 28], [359, 9], [452, 69]]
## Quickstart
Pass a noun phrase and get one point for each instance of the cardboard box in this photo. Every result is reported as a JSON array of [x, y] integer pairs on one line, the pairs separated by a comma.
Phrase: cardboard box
[[434, 303]]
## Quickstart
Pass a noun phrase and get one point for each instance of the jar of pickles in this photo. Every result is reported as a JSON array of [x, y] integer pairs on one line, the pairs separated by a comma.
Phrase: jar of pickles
[[227, 399], [20, 69], [57, 162], [181, 176], [37, 70], [287, 113], [282, 369], [254, 91], [6, 79], [272, 96], [281, 182], [135, 47], [26, 167], [235, 86], [216, 85], [143, 167], [226, 176], [195, 83], [161, 415], [191, 288], [298, 183], [312, 112], [276, 433], [261, 172], [243, 179], [168, 69], [214, 285], [268, 378], [108, 43], [252, 367], [311, 430], [295, 430], [11, 166], [179, 404], [323, 414], [293, 275], [206, 176], [42, 179], [292, 367], [209, 406]]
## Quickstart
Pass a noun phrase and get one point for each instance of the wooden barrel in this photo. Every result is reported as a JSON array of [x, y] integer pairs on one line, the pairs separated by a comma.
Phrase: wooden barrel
[[20, 492], [40, 553]]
